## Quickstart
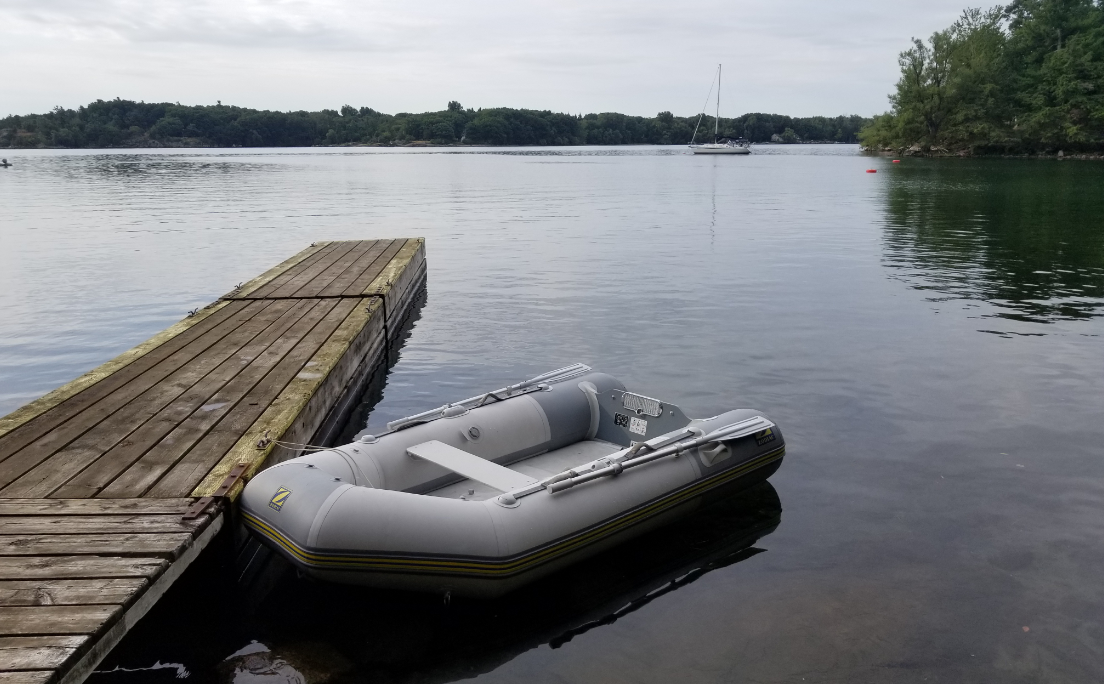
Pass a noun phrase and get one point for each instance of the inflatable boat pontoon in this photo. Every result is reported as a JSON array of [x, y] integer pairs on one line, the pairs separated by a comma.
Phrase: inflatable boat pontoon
[[484, 495]]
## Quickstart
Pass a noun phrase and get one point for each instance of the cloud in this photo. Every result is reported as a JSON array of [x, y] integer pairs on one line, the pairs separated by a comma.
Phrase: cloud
[[288, 24], [793, 56]]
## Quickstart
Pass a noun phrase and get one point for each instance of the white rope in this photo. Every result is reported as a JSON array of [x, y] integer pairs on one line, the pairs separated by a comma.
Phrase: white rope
[[315, 449]]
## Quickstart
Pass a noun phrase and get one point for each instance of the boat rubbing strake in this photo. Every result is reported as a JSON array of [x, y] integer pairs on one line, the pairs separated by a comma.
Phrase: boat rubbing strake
[[487, 494]]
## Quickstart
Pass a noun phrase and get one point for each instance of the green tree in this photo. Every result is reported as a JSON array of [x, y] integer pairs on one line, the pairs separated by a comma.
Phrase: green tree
[[1060, 86], [1026, 77], [443, 131]]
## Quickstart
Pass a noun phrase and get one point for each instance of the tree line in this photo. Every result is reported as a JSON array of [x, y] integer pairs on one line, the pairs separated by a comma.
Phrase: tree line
[[1023, 78], [124, 123]]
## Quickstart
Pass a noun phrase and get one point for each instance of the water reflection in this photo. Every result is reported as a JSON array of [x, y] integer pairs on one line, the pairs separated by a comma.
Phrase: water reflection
[[134, 170], [311, 631], [356, 419], [944, 487], [416, 637], [1031, 244]]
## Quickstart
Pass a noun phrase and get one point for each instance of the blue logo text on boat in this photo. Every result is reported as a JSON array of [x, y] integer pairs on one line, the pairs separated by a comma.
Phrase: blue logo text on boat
[[278, 499]]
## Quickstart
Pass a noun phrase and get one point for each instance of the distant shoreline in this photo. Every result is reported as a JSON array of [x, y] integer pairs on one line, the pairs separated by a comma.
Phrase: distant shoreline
[[107, 124], [416, 144], [1060, 155]]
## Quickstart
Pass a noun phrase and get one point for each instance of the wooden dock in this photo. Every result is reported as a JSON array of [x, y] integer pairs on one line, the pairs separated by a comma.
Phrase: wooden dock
[[96, 476]]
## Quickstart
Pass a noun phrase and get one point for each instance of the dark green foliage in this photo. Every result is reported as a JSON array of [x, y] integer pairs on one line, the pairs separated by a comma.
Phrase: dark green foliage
[[1028, 77], [122, 123]]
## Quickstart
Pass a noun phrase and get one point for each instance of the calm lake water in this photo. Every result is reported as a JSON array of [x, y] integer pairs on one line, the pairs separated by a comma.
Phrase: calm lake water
[[929, 337]]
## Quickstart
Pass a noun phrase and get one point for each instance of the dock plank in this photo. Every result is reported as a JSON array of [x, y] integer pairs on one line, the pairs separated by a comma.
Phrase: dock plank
[[83, 418], [91, 524], [398, 274], [126, 424], [339, 286], [192, 469], [94, 506], [26, 677], [79, 567], [300, 276], [204, 404], [70, 592], [37, 652], [351, 260], [239, 398], [107, 371], [301, 282], [252, 285], [22, 434], [54, 620], [164, 545], [358, 286], [365, 323], [279, 280]]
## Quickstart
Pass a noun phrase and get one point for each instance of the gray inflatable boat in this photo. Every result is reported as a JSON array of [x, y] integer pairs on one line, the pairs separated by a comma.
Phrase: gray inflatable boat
[[481, 496]]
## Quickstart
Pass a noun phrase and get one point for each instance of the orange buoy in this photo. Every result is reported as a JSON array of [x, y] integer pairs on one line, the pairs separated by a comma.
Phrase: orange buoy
[[872, 170], [896, 161]]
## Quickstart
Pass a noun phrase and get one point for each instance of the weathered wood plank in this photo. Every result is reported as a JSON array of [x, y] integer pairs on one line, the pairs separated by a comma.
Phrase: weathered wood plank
[[205, 402], [46, 620], [364, 320], [77, 670], [70, 592], [220, 317], [275, 271], [338, 286], [322, 256], [29, 445], [26, 677], [406, 287], [351, 260], [102, 524], [236, 397], [165, 545], [377, 267], [37, 652], [95, 506], [396, 277], [47, 402], [87, 567], [124, 424], [400, 301], [353, 343], [265, 290], [279, 383], [301, 280]]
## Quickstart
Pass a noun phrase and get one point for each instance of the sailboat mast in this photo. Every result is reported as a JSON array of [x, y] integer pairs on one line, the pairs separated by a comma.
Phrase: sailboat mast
[[717, 119]]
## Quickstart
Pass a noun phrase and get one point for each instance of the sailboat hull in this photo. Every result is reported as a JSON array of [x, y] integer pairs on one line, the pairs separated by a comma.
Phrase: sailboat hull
[[719, 149]]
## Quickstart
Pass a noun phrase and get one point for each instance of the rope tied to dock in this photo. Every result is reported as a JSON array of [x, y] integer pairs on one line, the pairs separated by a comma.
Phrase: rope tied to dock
[[266, 441]]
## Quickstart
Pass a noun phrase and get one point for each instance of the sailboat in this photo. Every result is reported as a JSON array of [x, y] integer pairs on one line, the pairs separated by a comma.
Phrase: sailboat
[[728, 146]]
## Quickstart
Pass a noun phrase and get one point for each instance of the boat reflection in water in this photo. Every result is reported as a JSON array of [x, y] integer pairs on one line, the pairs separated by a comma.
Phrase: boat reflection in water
[[326, 630]]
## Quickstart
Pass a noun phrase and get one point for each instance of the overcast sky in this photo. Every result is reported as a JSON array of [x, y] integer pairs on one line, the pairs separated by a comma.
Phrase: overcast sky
[[797, 57]]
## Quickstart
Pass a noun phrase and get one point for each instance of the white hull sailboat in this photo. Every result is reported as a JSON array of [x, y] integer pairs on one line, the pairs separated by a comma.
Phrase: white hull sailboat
[[728, 146]]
